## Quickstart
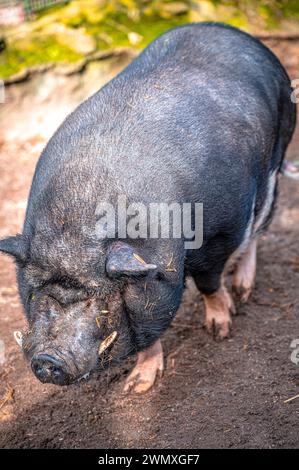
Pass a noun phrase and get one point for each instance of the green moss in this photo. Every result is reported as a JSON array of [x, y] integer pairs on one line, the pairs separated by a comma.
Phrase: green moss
[[269, 16], [289, 8], [37, 51], [239, 21], [109, 23], [113, 32], [268, 12]]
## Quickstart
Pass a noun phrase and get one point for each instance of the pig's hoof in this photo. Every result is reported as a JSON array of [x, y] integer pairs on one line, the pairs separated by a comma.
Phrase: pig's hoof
[[243, 283], [244, 276], [218, 308], [218, 325], [149, 366], [242, 292], [141, 380]]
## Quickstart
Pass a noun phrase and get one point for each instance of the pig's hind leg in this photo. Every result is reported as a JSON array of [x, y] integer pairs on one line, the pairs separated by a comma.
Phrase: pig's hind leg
[[244, 274], [245, 271], [219, 304]]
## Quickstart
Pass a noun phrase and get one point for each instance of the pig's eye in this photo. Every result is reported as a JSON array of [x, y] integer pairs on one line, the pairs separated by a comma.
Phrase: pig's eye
[[159, 276], [56, 299]]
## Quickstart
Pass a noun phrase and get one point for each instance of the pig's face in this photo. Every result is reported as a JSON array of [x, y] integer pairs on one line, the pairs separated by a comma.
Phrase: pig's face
[[66, 341], [75, 324]]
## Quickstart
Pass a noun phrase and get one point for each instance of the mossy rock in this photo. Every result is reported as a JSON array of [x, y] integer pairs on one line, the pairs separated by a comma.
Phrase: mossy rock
[[32, 52], [68, 33], [76, 39], [73, 31]]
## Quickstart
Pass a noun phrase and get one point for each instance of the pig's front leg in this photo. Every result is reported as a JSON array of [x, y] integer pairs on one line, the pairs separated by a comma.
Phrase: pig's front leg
[[218, 302], [149, 366], [219, 306]]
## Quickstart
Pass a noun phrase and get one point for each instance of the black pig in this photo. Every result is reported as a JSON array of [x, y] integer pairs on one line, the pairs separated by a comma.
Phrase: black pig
[[203, 115]]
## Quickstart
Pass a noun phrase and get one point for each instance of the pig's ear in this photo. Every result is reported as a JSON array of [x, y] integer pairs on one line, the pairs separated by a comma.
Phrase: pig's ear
[[123, 261], [15, 246]]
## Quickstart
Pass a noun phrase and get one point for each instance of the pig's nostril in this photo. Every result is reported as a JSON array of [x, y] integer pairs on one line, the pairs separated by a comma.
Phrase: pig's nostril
[[49, 369]]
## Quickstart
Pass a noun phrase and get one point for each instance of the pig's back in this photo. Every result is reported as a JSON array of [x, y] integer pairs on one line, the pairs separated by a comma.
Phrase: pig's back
[[205, 103], [194, 118]]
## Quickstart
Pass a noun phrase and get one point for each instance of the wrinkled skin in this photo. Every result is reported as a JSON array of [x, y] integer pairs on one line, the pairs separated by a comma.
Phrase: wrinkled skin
[[70, 317], [72, 306], [68, 331]]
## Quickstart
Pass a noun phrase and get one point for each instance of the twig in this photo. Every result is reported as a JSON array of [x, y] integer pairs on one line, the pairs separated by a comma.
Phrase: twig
[[278, 36], [7, 397], [171, 356], [169, 267], [291, 399]]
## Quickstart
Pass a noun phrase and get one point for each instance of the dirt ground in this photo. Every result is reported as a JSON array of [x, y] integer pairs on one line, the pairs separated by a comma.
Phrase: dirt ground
[[226, 394]]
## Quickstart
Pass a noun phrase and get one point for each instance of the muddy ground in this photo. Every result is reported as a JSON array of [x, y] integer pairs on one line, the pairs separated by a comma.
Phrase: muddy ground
[[229, 394]]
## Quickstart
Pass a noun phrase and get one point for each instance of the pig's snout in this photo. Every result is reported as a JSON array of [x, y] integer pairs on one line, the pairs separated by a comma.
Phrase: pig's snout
[[48, 369]]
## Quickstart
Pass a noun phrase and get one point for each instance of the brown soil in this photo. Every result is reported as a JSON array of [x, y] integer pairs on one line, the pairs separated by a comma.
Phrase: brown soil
[[213, 394]]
